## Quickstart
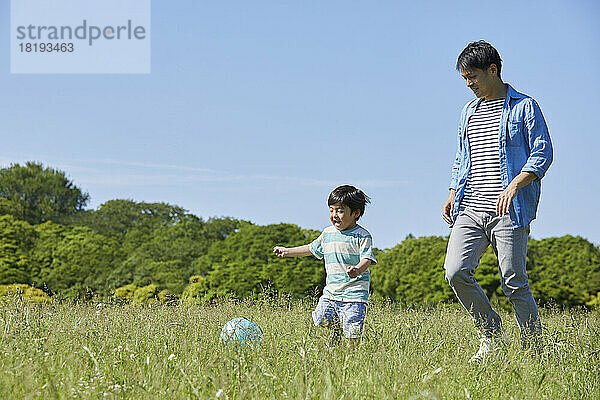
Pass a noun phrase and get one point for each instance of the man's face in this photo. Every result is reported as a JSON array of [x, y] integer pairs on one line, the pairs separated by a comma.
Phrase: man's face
[[480, 81], [342, 217]]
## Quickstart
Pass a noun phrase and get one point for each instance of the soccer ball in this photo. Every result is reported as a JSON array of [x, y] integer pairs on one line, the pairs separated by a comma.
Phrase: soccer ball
[[241, 332]]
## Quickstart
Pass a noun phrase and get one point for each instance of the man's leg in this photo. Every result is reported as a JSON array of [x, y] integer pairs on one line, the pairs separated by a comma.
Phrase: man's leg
[[468, 241], [510, 245]]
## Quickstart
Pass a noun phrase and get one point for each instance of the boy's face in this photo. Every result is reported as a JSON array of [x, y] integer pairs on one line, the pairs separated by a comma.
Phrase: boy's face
[[342, 217]]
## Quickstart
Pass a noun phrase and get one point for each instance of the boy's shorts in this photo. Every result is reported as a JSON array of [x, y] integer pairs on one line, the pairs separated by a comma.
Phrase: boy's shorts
[[351, 315]]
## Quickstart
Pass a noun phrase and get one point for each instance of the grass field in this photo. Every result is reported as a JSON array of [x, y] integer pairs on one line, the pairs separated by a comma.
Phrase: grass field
[[172, 352]]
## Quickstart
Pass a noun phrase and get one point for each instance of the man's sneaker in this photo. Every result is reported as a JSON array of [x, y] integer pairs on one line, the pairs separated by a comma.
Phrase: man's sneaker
[[487, 347]]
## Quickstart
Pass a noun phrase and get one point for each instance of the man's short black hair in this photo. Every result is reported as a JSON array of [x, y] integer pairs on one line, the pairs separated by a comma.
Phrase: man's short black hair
[[479, 55], [349, 196]]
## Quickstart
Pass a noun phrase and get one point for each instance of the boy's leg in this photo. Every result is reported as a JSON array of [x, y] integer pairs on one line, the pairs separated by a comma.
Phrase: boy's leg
[[468, 241], [325, 314], [352, 316], [510, 246]]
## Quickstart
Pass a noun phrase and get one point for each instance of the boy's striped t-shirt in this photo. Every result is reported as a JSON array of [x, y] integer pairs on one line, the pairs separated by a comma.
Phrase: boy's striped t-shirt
[[341, 249]]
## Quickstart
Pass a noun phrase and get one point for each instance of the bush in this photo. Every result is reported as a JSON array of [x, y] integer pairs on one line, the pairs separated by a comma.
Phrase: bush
[[125, 293], [166, 297], [593, 301], [195, 291], [24, 292], [148, 294]]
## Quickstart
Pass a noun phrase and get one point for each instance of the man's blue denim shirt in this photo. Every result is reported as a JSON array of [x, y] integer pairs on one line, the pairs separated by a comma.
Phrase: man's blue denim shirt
[[525, 146]]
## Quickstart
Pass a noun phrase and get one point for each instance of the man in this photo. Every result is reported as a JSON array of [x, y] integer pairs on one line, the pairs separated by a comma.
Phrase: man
[[504, 150]]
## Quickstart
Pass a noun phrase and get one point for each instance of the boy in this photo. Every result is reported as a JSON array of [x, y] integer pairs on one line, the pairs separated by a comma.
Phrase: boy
[[348, 253]]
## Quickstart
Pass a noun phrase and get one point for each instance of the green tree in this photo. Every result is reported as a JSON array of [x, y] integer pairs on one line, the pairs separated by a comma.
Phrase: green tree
[[37, 194], [166, 257], [564, 269], [82, 264], [167, 254], [244, 263], [413, 271], [122, 217], [217, 229], [16, 240], [48, 236], [160, 240]]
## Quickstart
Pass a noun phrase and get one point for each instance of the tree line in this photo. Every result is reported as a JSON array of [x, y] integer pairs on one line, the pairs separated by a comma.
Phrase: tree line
[[141, 252]]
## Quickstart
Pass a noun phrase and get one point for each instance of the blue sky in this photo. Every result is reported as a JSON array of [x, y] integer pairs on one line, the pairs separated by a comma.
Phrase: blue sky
[[256, 110]]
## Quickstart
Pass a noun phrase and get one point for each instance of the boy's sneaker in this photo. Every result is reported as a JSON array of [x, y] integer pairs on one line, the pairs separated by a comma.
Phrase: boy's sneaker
[[336, 337], [487, 347]]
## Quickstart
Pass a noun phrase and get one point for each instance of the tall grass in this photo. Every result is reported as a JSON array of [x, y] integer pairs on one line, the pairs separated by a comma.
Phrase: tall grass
[[171, 352]]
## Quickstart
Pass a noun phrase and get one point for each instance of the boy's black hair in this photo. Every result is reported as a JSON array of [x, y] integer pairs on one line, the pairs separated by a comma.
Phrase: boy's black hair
[[479, 55], [349, 196]]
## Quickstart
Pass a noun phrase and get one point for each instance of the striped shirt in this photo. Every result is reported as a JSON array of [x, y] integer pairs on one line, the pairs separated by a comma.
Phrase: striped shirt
[[342, 249], [484, 184]]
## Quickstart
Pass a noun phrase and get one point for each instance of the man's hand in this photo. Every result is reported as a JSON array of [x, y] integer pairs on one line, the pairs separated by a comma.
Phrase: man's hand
[[448, 208], [281, 251], [508, 195], [505, 199]]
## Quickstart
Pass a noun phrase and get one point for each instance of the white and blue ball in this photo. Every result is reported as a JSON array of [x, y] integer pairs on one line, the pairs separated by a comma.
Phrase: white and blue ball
[[241, 332]]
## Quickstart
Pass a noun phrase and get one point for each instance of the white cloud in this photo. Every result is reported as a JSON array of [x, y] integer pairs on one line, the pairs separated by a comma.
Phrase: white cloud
[[140, 173]]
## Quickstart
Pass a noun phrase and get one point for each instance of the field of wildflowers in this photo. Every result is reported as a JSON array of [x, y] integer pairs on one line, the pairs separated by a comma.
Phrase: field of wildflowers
[[114, 351]]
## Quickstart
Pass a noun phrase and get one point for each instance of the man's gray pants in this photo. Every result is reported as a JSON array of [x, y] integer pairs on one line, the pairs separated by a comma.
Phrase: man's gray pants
[[472, 233]]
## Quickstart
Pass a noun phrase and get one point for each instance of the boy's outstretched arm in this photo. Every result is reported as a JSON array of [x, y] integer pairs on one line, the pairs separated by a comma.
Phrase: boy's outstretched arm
[[299, 251]]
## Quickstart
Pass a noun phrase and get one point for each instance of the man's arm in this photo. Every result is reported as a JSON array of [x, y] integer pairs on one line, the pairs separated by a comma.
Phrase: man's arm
[[540, 145], [507, 196], [457, 158], [299, 251], [448, 208], [540, 156]]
